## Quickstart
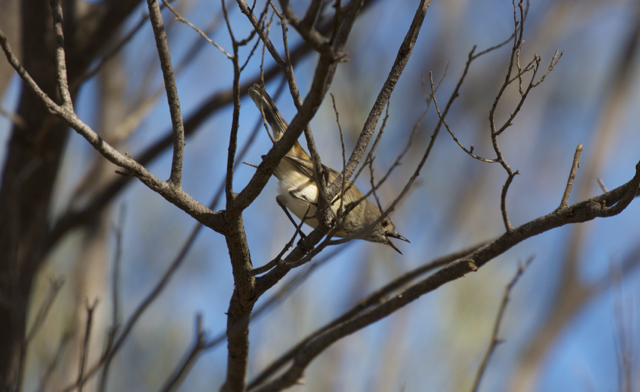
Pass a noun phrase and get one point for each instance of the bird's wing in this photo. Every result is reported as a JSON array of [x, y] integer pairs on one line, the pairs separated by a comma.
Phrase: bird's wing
[[305, 166]]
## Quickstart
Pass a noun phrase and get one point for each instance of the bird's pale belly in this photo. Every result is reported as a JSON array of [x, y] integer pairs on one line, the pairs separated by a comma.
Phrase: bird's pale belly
[[297, 199]]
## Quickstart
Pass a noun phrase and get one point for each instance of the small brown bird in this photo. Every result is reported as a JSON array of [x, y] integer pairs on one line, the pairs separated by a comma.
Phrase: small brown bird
[[299, 192]]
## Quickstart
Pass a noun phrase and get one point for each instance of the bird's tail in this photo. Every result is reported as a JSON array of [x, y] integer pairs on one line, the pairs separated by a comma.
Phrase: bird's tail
[[271, 113], [269, 110]]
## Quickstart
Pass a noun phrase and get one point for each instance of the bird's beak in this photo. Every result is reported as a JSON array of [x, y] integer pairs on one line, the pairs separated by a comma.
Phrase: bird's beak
[[398, 236]]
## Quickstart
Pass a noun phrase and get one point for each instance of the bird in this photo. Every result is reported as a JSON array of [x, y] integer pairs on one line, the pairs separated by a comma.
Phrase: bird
[[299, 190]]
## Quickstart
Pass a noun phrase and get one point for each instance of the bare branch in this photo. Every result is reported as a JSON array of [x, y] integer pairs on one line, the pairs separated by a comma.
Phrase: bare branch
[[162, 44], [344, 162], [256, 25], [323, 76], [602, 186], [179, 18], [554, 62], [288, 245], [444, 122], [15, 63], [73, 219]]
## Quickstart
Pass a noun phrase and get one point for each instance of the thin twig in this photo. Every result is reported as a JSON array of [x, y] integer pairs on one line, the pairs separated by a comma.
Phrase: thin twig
[[85, 344], [444, 122], [572, 176], [344, 161], [180, 18], [503, 198], [142, 307], [190, 358], [263, 36], [115, 300], [45, 307], [496, 327], [602, 186], [278, 259], [53, 364], [111, 54], [396, 163], [15, 118], [253, 49]]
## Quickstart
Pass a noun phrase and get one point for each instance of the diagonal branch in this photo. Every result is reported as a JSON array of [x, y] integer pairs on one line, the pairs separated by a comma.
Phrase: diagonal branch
[[174, 195], [370, 300], [402, 58], [605, 205]]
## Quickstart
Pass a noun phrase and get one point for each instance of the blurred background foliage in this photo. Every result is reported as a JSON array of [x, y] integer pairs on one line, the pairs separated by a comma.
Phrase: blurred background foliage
[[574, 314]]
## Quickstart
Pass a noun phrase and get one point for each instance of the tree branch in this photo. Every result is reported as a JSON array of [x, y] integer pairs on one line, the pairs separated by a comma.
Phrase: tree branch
[[172, 92]]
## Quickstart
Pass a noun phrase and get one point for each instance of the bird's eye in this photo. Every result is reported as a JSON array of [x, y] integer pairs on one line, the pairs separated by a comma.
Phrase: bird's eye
[[384, 224]]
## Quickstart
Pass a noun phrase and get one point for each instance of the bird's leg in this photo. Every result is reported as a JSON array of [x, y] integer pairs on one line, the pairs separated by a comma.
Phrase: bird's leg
[[281, 202]]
